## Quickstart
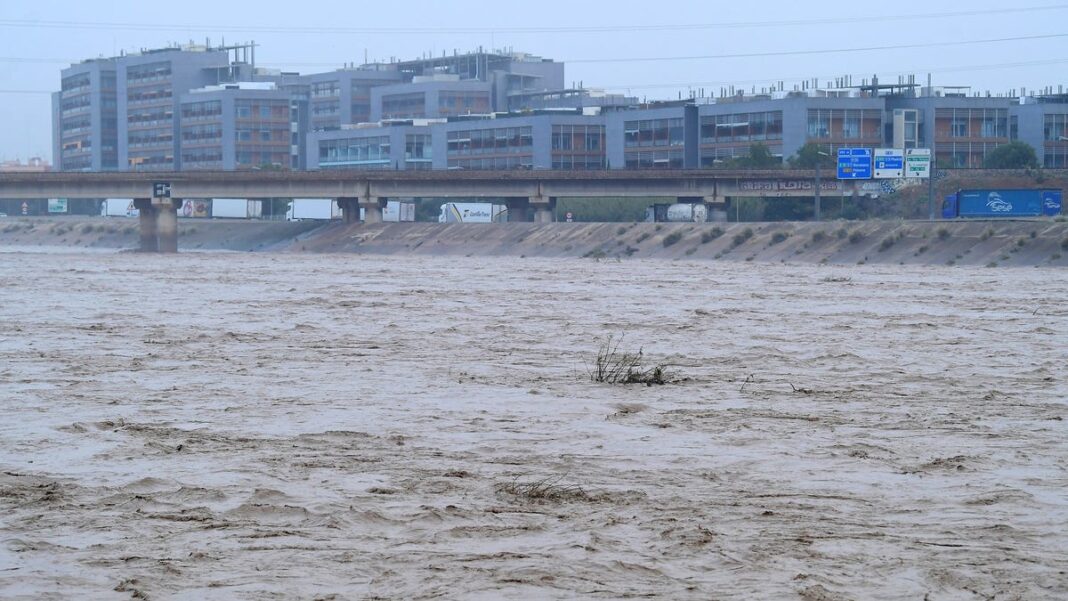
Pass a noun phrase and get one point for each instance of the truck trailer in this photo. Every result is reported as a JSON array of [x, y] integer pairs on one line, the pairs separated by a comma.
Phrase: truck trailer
[[1002, 203], [472, 212], [236, 208], [677, 213], [313, 208]]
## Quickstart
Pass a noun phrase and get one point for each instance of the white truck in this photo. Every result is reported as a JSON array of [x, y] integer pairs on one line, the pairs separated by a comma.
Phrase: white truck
[[472, 212], [236, 208], [325, 209], [118, 207], [313, 208], [397, 211]]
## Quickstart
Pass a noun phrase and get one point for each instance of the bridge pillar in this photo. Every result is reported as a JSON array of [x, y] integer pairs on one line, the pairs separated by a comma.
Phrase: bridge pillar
[[167, 226], [149, 231], [350, 210], [517, 209], [543, 209], [372, 209]]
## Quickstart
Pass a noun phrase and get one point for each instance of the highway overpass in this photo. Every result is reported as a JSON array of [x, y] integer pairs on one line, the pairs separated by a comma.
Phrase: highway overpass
[[523, 190]]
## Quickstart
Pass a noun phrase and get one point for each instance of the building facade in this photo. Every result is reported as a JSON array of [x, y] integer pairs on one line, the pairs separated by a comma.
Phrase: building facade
[[85, 128], [236, 126], [1042, 122], [555, 140], [211, 108]]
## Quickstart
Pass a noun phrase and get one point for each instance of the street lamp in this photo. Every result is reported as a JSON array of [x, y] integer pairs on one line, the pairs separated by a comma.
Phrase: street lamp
[[819, 153]]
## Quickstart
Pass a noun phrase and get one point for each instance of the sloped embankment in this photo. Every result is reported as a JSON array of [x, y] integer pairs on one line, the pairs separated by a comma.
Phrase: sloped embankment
[[982, 243]]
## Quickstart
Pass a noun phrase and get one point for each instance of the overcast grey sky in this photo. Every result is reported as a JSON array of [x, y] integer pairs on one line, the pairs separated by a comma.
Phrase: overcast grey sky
[[38, 39]]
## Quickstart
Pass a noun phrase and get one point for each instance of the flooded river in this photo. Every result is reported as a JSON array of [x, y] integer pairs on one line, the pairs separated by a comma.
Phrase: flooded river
[[253, 426]]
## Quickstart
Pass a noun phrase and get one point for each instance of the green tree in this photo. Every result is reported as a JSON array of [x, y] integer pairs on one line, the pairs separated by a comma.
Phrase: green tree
[[760, 157], [1014, 155], [809, 155]]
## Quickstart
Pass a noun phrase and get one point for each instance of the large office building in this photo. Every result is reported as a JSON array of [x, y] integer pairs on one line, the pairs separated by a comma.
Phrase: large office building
[[85, 128], [203, 107]]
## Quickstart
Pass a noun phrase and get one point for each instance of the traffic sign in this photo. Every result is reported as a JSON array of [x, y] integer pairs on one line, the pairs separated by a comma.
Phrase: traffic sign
[[161, 190], [889, 163], [854, 163], [918, 163]]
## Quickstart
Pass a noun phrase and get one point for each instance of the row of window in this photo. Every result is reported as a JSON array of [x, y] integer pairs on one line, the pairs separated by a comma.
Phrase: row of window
[[499, 140], [202, 110], [198, 133], [578, 138], [76, 124], [458, 103], [522, 161], [741, 127], [355, 151], [199, 158], [150, 137], [275, 110], [654, 159], [246, 158], [150, 162], [971, 123], [149, 72], [653, 132], [404, 106], [262, 135], [149, 95], [846, 124], [578, 162], [139, 117], [68, 105]]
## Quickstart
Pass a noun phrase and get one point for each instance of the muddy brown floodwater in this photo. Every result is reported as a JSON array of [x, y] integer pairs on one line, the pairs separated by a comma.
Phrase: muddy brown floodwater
[[253, 426]]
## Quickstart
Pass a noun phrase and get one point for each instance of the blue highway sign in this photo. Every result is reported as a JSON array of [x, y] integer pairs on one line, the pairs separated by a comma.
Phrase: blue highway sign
[[854, 163]]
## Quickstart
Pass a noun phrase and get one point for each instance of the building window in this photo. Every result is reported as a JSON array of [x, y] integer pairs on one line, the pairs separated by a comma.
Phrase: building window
[[653, 132], [959, 127], [819, 124], [360, 153]]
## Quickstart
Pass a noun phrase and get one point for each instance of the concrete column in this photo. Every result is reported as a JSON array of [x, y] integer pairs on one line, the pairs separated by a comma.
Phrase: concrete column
[[372, 209], [543, 209], [167, 226], [149, 237], [517, 209], [350, 210]]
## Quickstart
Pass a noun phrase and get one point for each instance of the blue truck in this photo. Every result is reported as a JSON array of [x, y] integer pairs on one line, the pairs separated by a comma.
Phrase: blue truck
[[986, 204]]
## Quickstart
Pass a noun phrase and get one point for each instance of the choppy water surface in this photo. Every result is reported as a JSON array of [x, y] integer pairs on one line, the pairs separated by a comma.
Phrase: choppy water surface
[[254, 426]]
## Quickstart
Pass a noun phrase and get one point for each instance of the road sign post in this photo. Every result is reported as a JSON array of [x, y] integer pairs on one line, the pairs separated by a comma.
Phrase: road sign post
[[918, 166]]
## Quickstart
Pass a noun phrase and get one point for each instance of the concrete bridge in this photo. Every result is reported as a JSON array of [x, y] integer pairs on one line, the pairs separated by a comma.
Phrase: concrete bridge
[[524, 191]]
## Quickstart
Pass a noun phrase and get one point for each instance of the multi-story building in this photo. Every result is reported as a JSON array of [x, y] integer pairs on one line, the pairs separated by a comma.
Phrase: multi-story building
[[343, 97], [509, 74], [961, 129], [684, 134], [150, 86], [431, 97], [85, 118], [543, 140], [1042, 122], [236, 126], [211, 108]]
